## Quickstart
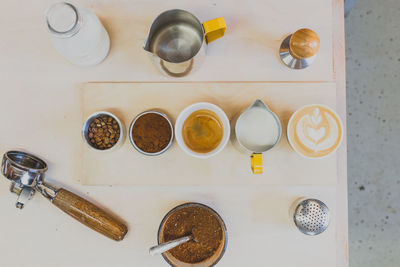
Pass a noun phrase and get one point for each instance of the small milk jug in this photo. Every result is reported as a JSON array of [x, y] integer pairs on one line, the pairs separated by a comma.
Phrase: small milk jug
[[177, 41], [257, 130]]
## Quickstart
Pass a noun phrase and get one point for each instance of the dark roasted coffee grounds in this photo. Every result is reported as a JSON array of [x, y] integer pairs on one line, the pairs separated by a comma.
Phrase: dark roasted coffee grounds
[[205, 228], [151, 133]]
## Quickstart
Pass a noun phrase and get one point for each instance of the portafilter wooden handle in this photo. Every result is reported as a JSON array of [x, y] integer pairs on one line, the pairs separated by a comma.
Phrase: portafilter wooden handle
[[90, 215], [304, 43]]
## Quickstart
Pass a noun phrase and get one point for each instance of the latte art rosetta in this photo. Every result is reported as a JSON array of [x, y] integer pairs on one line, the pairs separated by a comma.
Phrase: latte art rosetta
[[315, 131]]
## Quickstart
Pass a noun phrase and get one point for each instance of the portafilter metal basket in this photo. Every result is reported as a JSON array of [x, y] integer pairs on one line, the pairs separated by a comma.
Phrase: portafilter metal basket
[[26, 173], [310, 216]]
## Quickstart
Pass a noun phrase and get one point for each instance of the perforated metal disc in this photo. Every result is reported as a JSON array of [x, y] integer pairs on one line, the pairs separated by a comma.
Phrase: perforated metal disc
[[311, 216]]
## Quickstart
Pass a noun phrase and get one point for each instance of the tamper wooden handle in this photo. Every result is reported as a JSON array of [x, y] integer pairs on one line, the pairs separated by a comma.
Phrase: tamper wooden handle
[[304, 43], [90, 215]]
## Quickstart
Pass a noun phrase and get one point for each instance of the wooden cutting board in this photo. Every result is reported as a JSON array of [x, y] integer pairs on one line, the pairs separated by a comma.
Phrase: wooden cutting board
[[125, 166]]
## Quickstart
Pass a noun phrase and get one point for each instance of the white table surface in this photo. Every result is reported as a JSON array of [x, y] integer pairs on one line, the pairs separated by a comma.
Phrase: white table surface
[[40, 104]]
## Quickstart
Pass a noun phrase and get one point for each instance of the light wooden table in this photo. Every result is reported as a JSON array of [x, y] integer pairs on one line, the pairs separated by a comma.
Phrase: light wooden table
[[40, 104]]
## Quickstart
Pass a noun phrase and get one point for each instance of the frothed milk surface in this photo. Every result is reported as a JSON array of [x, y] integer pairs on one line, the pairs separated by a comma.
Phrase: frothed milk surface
[[257, 129], [315, 131]]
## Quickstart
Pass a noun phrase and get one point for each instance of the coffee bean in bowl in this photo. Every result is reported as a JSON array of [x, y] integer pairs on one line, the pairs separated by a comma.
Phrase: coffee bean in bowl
[[103, 131]]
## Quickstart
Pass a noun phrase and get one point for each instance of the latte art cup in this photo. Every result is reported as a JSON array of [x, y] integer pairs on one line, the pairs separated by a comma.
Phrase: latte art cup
[[315, 131], [186, 113]]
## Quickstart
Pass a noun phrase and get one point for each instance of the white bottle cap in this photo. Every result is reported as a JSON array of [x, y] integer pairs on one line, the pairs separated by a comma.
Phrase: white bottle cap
[[62, 18]]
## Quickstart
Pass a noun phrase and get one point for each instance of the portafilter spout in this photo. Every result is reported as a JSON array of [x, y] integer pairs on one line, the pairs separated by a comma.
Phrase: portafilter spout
[[26, 173]]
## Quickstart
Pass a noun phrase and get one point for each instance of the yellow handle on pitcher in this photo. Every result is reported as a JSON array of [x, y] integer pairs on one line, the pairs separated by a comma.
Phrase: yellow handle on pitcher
[[214, 29], [256, 163]]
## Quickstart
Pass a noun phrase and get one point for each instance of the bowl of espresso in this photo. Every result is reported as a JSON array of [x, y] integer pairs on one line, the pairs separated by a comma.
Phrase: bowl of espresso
[[202, 130]]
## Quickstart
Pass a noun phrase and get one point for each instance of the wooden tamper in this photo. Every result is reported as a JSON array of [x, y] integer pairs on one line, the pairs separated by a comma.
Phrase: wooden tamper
[[299, 49]]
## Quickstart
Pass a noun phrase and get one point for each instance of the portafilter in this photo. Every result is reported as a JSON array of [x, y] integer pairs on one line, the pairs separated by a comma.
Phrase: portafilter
[[26, 173]]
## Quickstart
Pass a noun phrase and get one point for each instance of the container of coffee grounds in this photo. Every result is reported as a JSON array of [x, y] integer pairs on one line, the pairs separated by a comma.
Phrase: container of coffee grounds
[[151, 133], [103, 131], [208, 231]]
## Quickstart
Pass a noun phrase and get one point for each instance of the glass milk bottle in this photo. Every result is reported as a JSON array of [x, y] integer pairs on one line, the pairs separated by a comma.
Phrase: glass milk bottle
[[77, 34]]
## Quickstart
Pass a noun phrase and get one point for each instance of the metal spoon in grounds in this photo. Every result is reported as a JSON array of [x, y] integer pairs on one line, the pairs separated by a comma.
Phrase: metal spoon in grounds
[[161, 248]]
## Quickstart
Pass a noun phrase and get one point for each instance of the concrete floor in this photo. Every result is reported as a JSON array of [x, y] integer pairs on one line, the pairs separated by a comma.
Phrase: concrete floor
[[373, 113]]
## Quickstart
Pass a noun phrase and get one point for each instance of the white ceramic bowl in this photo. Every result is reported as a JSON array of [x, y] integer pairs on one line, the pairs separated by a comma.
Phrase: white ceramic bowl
[[189, 110]]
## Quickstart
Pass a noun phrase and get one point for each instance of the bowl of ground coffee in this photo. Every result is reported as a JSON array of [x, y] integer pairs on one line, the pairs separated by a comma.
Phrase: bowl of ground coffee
[[103, 131], [151, 133], [208, 231]]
